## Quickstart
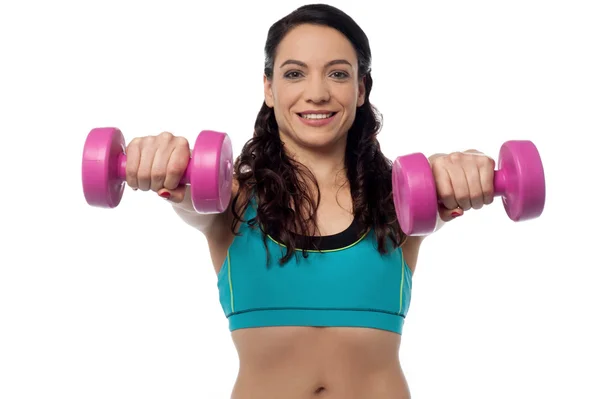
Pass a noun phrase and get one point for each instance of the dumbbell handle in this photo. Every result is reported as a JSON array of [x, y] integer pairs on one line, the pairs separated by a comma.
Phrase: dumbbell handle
[[499, 182], [122, 163]]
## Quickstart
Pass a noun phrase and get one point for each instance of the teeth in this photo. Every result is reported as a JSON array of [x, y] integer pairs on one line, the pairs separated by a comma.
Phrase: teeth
[[316, 116]]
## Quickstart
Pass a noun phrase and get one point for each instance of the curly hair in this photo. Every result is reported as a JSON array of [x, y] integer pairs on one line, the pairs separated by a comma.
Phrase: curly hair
[[279, 184]]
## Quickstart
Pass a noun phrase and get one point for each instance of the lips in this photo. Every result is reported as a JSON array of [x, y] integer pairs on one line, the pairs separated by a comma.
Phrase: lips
[[317, 118], [316, 115]]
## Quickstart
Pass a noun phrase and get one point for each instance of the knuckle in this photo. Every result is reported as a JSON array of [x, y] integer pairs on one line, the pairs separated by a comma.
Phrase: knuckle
[[436, 160], [130, 167], [158, 175], [181, 142], [144, 174], [486, 162], [130, 181], [439, 166], [130, 175], [135, 142], [477, 199], [165, 136], [178, 165], [446, 195], [463, 198], [456, 156]]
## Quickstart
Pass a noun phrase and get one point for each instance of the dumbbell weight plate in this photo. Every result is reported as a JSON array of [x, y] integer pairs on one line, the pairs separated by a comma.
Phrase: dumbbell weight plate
[[415, 194], [211, 172], [102, 153], [524, 193]]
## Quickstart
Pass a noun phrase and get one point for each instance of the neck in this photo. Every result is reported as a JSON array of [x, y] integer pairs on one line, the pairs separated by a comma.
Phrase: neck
[[326, 164]]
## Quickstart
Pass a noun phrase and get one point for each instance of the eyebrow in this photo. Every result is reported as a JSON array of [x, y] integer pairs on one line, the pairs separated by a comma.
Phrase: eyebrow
[[302, 64]]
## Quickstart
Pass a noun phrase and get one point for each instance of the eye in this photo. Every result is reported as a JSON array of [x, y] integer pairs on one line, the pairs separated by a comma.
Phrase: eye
[[340, 75], [292, 75]]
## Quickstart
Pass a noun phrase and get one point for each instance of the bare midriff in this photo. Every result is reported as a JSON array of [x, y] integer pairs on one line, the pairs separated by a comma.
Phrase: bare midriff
[[318, 363]]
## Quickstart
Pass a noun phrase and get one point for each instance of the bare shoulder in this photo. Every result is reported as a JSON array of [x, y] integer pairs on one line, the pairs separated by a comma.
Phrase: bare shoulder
[[410, 249]]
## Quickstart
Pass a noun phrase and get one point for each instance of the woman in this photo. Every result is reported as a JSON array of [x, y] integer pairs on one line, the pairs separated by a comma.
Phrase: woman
[[313, 271]]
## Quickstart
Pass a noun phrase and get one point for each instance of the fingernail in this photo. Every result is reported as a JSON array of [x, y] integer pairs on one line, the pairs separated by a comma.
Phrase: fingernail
[[166, 194], [455, 214]]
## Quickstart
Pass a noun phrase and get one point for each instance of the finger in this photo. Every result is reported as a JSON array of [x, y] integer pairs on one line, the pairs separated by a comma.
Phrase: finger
[[448, 214], [158, 171], [176, 195], [177, 164], [443, 185], [474, 183], [486, 173], [145, 169], [133, 162], [460, 186]]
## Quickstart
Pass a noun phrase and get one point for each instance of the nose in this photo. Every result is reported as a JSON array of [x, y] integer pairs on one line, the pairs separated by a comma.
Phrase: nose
[[316, 90]]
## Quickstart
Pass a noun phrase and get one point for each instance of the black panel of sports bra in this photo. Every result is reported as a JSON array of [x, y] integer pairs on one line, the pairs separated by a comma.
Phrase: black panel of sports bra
[[336, 241]]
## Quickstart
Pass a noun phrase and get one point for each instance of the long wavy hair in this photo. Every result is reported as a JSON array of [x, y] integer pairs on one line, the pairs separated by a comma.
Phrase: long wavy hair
[[285, 207]]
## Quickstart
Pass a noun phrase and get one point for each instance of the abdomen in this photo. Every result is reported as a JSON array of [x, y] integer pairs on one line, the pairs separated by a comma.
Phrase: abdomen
[[306, 362]]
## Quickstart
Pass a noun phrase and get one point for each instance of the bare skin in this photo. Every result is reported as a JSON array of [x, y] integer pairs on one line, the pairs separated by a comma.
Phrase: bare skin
[[305, 362]]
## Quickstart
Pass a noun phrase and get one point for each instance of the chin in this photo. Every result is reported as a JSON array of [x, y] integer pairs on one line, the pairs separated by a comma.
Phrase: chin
[[318, 140]]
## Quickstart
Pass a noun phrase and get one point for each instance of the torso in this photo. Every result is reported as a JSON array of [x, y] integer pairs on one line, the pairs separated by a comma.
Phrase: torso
[[317, 362], [309, 362]]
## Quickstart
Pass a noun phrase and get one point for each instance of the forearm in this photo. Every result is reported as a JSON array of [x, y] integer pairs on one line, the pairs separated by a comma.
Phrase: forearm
[[185, 210]]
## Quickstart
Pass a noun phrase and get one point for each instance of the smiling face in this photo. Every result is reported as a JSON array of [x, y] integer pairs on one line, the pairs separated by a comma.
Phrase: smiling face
[[315, 89]]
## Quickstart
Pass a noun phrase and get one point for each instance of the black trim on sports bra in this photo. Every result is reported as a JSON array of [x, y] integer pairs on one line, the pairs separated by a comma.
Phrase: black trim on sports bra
[[340, 240]]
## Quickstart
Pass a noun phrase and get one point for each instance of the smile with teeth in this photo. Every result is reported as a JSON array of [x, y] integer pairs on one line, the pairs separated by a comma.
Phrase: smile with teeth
[[317, 116]]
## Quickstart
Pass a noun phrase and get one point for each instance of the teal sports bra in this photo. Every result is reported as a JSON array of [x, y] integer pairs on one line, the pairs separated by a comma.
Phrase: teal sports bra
[[346, 284]]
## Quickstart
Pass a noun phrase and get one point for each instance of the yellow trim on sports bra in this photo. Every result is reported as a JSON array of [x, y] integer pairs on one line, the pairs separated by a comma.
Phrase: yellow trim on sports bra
[[230, 283], [402, 280]]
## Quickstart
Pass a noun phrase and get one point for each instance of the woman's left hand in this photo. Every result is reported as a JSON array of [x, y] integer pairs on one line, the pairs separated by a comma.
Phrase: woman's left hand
[[464, 180]]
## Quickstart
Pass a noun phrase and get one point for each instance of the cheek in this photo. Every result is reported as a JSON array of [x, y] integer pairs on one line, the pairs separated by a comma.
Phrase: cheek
[[286, 93], [349, 97], [283, 105]]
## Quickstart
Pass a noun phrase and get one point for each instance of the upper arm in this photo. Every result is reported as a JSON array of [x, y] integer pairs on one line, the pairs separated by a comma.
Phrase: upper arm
[[410, 249], [412, 245], [219, 234], [216, 228]]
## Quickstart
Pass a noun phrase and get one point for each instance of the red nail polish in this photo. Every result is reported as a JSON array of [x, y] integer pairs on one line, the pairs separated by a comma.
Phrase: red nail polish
[[455, 214], [166, 194]]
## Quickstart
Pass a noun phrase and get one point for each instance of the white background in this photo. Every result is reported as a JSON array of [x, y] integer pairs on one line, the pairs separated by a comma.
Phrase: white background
[[123, 303]]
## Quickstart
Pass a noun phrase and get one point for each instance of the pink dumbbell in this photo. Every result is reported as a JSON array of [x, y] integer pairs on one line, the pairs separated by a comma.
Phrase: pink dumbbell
[[519, 180], [209, 172]]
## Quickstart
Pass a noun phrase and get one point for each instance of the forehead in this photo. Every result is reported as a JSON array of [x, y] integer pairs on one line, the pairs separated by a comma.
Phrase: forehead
[[314, 44]]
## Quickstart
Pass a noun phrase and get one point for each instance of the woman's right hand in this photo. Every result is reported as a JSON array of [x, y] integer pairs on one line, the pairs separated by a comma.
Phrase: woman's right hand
[[158, 163]]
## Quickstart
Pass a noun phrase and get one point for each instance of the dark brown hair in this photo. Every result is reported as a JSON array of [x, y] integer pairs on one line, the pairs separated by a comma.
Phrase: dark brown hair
[[276, 182]]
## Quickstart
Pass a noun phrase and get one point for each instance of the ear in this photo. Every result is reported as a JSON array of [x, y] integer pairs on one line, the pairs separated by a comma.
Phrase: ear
[[361, 92], [268, 87]]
